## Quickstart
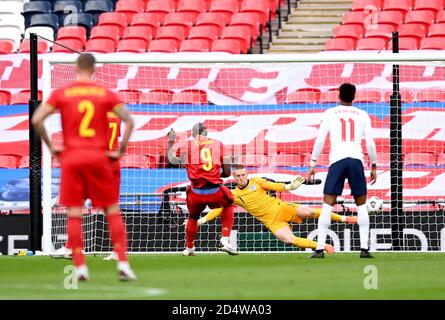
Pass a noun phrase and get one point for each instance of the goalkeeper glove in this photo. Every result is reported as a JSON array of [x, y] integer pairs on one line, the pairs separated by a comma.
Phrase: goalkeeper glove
[[295, 184], [202, 221]]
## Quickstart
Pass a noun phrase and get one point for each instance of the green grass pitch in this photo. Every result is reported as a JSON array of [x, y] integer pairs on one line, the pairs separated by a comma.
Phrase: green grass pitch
[[219, 276]]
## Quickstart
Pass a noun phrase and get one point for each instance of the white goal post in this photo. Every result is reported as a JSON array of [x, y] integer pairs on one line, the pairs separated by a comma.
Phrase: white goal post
[[266, 109]]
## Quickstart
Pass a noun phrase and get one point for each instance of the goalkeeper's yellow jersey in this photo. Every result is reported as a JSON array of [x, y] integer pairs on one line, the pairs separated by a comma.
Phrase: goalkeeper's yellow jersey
[[254, 198]]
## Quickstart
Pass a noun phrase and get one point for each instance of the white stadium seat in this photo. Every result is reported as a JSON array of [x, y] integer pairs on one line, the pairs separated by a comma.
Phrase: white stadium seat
[[11, 33], [13, 20], [15, 7]]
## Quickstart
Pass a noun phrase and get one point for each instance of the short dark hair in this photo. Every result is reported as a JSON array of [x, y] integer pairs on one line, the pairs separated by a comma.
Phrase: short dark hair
[[199, 129], [86, 62], [346, 92]]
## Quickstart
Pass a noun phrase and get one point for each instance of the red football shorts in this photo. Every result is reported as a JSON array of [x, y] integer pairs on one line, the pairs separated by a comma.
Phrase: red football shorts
[[196, 203], [87, 175]]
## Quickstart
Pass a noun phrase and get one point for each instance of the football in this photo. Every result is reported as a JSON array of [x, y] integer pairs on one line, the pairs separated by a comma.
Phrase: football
[[374, 205]]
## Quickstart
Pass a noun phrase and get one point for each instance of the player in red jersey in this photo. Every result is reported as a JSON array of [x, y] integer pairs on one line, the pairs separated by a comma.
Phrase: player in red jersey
[[204, 161], [86, 161]]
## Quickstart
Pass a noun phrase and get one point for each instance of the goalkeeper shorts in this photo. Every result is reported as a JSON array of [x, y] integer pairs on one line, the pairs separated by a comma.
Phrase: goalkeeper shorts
[[286, 214]]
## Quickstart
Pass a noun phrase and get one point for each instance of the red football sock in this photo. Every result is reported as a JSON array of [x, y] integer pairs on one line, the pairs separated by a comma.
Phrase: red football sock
[[118, 235], [190, 232], [227, 219], [75, 240]]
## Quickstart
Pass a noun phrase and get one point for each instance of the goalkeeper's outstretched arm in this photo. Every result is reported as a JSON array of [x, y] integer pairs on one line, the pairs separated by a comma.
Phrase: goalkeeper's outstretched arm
[[215, 213]]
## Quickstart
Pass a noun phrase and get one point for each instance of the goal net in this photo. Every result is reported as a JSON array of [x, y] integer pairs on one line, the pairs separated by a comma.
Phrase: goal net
[[266, 110]]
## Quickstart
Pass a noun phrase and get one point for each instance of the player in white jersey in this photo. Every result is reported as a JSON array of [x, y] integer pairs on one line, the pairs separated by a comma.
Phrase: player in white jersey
[[347, 126]]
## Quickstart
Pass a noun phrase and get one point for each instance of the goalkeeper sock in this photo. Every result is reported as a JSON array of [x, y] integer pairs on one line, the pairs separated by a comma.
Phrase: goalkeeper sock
[[323, 225], [334, 216], [118, 235], [74, 228], [363, 225], [304, 243], [227, 219], [190, 232]]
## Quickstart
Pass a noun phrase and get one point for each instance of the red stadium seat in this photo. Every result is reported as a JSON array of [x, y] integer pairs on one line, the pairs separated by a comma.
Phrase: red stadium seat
[[393, 18], [27, 92], [304, 96], [118, 19], [171, 33], [5, 97], [20, 98], [74, 44], [146, 19], [428, 159], [226, 45], [407, 96], [130, 7], [134, 161], [208, 33], [73, 32], [184, 20], [368, 95], [371, 44], [260, 7], [129, 96], [42, 46], [194, 45], [431, 5], [437, 30], [349, 31], [132, 45], [156, 97], [163, 45], [329, 97], [406, 43], [138, 33], [55, 162], [366, 5], [247, 19], [106, 32], [440, 18], [226, 7], [194, 7], [341, 44], [433, 94], [240, 33], [215, 19], [412, 30], [161, 7], [435, 43], [355, 18], [323, 159], [8, 161], [6, 46], [191, 96], [380, 31], [422, 16], [23, 162], [402, 6], [100, 45]]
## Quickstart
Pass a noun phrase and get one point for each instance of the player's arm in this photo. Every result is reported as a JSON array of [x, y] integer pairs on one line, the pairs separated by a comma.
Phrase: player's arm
[[318, 145], [124, 114], [174, 155], [226, 166], [213, 214], [370, 146], [39, 116], [276, 186]]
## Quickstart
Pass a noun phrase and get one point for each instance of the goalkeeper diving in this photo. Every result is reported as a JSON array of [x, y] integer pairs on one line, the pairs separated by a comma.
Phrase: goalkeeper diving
[[275, 214]]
